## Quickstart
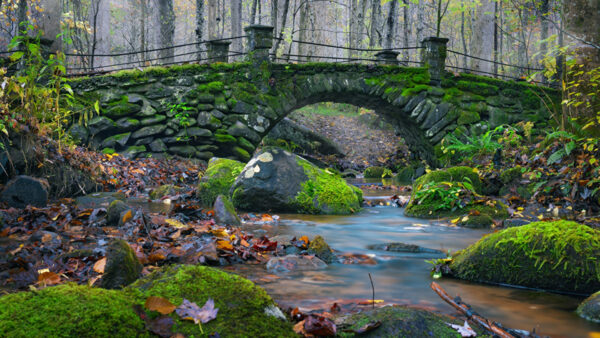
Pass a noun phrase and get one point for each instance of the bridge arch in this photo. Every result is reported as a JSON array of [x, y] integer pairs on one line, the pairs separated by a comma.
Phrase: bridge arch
[[229, 108]]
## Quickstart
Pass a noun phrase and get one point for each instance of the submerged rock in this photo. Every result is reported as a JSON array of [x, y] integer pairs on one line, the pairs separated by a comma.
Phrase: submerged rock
[[280, 181], [402, 247], [217, 179], [122, 266], [545, 255], [399, 321], [291, 263], [321, 249], [115, 212], [23, 190], [225, 212], [165, 190], [590, 308]]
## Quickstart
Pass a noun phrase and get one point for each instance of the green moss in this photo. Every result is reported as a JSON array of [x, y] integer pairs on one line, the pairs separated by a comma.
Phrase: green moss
[[415, 90], [108, 151], [453, 174], [453, 95], [164, 190], [325, 193], [224, 138], [217, 180], [511, 175], [480, 88], [242, 142], [468, 117], [400, 321], [559, 256], [321, 249], [374, 172], [240, 302], [69, 310], [242, 154], [478, 221]]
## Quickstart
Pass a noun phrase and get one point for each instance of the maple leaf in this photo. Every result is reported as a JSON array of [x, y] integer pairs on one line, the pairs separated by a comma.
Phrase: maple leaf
[[464, 330], [191, 311]]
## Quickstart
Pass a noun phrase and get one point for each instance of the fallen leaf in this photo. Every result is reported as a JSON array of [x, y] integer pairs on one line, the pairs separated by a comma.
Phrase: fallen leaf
[[128, 215], [370, 301], [48, 278], [190, 311], [175, 223], [464, 330], [100, 265], [319, 326], [161, 326], [224, 245], [159, 304]]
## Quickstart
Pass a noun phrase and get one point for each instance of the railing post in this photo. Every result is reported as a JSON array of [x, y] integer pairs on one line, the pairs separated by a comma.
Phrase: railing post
[[387, 57], [260, 41], [433, 56], [218, 51]]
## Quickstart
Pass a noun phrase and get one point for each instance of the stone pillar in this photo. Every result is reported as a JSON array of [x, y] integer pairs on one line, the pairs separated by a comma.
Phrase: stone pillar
[[433, 56], [387, 57], [218, 51], [260, 41]]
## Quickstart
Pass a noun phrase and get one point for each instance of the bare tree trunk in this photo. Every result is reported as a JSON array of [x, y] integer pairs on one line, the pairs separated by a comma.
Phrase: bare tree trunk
[[462, 33], [21, 15], [199, 26], [303, 27], [352, 27], [495, 38], [274, 14], [481, 41], [391, 24], [545, 28], [522, 49], [253, 12], [167, 29], [222, 16], [143, 30], [375, 13], [236, 24], [361, 23], [212, 19], [286, 7]]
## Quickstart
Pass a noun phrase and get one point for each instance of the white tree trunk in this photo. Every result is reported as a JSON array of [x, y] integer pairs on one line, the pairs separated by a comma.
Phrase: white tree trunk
[[482, 41]]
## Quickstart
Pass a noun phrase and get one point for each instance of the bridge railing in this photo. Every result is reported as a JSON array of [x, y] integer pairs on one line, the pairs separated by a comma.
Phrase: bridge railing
[[259, 42]]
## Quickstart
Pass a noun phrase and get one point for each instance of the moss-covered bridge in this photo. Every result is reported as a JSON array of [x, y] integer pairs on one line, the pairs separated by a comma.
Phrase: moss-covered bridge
[[226, 109]]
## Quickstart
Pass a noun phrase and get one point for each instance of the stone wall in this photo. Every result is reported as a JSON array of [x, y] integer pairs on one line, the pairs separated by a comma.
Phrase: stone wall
[[225, 109]]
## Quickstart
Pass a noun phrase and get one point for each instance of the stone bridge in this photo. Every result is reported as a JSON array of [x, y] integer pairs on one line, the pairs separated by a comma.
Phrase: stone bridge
[[225, 109]]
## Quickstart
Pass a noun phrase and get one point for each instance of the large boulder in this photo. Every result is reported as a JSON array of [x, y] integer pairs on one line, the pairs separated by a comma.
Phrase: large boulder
[[280, 181], [225, 212], [22, 191], [547, 255], [436, 203], [217, 179], [244, 308], [307, 140], [590, 308]]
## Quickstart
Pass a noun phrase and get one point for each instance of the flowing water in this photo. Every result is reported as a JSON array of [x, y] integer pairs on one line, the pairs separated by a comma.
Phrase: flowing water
[[404, 278]]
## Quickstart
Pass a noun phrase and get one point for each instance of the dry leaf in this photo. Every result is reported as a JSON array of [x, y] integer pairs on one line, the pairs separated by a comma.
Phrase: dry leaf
[[159, 304], [48, 278], [100, 265]]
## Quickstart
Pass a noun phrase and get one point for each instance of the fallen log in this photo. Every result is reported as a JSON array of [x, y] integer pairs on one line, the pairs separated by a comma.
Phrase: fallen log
[[466, 310]]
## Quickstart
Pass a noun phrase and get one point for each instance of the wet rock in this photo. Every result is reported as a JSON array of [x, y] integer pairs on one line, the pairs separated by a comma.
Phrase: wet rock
[[225, 212], [79, 133], [293, 263], [590, 308], [165, 190], [285, 240], [400, 321], [114, 212], [280, 181], [122, 266], [51, 240], [133, 151], [402, 247], [476, 221], [23, 190], [217, 179], [101, 124], [321, 249]]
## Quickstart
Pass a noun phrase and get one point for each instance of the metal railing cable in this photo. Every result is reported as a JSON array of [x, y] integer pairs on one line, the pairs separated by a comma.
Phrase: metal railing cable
[[494, 62], [353, 48], [492, 74], [157, 49], [148, 66], [143, 61]]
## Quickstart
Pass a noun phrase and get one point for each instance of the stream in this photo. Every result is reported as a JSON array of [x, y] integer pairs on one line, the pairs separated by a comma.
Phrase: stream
[[403, 278]]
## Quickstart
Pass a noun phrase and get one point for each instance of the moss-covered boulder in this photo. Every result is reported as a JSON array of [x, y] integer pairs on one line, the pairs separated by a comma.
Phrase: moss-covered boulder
[[549, 255], [244, 308], [444, 180], [225, 211], [377, 172], [115, 212], [277, 180], [590, 308], [217, 179], [70, 311], [165, 190], [399, 321]]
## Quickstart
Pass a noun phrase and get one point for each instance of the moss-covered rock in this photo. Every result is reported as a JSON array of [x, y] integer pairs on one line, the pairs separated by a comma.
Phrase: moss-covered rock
[[477, 221], [547, 255], [217, 179], [70, 311], [122, 266], [430, 209], [225, 213], [374, 172], [321, 249], [590, 308], [242, 305], [399, 321], [114, 211], [511, 175], [280, 181]]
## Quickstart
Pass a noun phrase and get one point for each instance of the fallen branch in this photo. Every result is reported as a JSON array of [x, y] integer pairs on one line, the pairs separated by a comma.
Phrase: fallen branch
[[466, 310]]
